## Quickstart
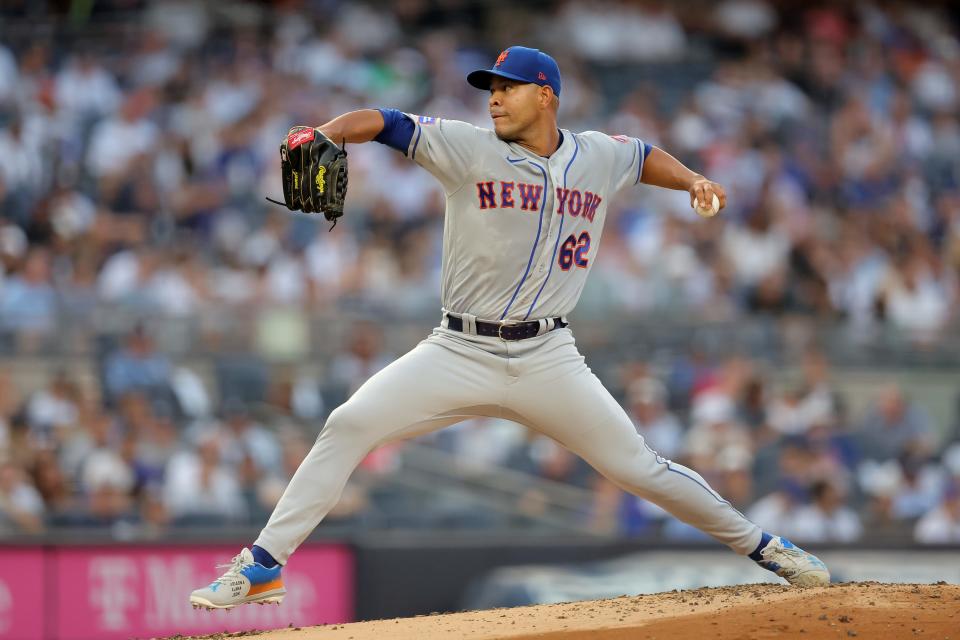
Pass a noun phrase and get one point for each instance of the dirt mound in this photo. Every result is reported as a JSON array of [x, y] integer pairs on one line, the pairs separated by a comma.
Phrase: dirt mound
[[861, 609]]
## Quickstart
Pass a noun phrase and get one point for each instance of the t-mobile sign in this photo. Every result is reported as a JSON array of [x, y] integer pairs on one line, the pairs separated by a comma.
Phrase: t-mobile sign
[[103, 593], [21, 593]]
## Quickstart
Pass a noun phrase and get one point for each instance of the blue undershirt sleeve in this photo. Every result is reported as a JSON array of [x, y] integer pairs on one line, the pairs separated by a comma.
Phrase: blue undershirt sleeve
[[647, 148], [397, 130]]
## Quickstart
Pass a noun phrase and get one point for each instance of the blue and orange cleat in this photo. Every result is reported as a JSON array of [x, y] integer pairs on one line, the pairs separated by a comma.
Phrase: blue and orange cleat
[[245, 581], [793, 564]]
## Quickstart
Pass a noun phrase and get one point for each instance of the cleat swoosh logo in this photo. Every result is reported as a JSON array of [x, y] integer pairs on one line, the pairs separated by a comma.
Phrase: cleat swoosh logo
[[266, 586]]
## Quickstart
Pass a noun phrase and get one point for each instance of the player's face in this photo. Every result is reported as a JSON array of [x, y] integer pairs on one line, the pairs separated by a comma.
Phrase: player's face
[[514, 106]]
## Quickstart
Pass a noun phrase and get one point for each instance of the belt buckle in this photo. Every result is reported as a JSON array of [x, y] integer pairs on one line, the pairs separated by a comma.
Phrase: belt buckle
[[500, 329]]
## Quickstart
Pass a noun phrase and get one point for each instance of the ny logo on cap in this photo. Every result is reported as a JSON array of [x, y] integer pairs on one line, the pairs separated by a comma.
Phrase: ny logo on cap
[[542, 76], [503, 56]]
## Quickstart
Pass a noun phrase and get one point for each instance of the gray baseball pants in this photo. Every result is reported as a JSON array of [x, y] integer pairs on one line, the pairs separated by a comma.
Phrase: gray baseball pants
[[542, 382]]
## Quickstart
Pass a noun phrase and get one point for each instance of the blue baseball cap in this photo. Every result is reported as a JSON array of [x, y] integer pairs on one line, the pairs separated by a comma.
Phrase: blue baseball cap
[[522, 64]]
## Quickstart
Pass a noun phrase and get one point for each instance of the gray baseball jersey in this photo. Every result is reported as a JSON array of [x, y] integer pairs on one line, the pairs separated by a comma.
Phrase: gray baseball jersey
[[522, 231]]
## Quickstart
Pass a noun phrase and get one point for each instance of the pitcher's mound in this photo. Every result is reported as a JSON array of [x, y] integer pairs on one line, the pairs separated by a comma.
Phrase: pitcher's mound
[[863, 609]]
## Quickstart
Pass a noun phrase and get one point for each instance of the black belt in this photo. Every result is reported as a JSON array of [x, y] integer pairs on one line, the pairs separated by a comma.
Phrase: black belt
[[504, 331]]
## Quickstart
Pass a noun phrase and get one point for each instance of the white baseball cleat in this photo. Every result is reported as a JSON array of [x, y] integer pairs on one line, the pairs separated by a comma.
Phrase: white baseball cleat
[[793, 564], [245, 581]]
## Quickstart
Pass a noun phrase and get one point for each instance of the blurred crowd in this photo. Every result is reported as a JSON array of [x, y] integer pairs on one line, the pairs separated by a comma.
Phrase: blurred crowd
[[790, 453], [785, 450], [134, 159], [137, 142], [157, 451], [150, 444]]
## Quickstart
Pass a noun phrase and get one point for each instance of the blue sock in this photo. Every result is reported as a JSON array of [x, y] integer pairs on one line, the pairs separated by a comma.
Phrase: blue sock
[[765, 539], [260, 556]]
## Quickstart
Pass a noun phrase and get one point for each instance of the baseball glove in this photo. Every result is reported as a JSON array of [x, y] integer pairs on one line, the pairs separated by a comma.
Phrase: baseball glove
[[314, 173]]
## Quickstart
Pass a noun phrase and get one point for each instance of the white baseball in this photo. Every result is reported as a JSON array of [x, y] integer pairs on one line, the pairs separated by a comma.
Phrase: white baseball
[[707, 212]]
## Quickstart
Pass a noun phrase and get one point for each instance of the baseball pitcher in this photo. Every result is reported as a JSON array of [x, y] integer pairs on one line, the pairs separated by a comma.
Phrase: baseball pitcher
[[526, 204]]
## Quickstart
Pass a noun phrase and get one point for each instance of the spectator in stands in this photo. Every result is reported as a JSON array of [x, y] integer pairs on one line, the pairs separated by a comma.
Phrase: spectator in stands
[[137, 366], [296, 392], [546, 459], [53, 487], [105, 478], [28, 302], [942, 524], [294, 449], [894, 426], [85, 90], [243, 437], [788, 462], [622, 31], [177, 287], [248, 446], [21, 505], [53, 409], [13, 246], [921, 487], [542, 457], [9, 403], [827, 518], [646, 398], [780, 507], [788, 414], [8, 76], [753, 406], [880, 484], [116, 142], [154, 519], [154, 444], [21, 165], [915, 300], [757, 250], [819, 399], [199, 489], [109, 498], [363, 357], [714, 439]]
